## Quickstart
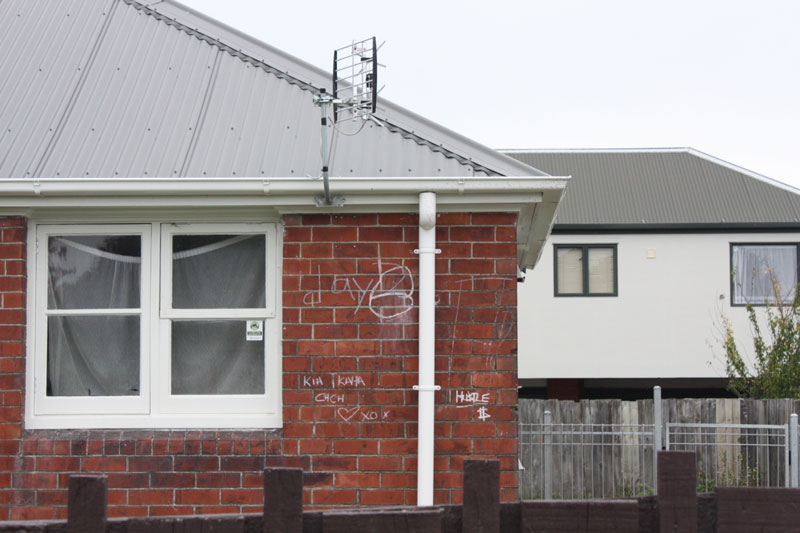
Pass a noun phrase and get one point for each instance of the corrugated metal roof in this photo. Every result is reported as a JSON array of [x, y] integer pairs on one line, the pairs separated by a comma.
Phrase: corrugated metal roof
[[663, 188], [103, 88]]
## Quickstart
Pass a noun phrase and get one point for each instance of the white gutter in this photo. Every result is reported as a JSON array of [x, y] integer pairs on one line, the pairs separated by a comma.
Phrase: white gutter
[[427, 306], [271, 186]]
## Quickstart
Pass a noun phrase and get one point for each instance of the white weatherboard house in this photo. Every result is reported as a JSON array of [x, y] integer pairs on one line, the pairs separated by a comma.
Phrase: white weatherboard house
[[649, 249]]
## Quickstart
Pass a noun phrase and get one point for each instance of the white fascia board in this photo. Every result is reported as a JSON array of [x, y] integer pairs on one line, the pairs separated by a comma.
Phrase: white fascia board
[[521, 194], [534, 225], [142, 187]]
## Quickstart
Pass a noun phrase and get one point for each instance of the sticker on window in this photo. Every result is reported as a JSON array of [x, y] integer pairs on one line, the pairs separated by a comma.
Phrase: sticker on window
[[255, 330]]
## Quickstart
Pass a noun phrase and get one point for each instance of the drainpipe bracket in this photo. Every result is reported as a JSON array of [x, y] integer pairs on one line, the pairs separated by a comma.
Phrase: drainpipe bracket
[[427, 251], [426, 387], [336, 201]]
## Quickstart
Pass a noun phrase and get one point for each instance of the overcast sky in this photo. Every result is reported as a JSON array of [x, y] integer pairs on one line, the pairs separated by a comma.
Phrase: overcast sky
[[721, 76]]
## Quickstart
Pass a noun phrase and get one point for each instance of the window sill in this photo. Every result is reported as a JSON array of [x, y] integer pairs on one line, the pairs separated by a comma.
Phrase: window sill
[[154, 422]]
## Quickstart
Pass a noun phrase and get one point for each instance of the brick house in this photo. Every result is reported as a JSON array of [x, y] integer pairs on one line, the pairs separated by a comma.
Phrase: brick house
[[177, 312]]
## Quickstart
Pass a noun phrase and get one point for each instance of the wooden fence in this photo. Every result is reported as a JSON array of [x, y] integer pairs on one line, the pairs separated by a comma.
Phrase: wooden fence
[[676, 508], [617, 456], [708, 411]]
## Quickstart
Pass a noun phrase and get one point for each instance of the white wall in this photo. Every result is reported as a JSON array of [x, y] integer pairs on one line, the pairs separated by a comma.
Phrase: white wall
[[665, 322]]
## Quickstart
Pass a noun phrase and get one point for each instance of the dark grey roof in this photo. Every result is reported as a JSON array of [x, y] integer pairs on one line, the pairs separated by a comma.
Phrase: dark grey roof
[[667, 188], [105, 88]]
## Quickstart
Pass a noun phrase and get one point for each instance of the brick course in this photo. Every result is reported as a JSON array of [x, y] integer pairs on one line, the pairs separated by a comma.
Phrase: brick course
[[350, 359]]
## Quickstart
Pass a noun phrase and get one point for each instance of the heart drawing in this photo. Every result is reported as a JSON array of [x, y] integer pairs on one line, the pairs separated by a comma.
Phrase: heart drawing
[[348, 412]]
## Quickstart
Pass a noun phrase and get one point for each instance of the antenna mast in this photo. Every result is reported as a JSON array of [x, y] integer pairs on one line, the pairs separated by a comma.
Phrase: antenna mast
[[355, 95]]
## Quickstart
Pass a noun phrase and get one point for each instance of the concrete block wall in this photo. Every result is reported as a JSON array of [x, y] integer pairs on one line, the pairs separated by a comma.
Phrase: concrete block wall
[[349, 364]]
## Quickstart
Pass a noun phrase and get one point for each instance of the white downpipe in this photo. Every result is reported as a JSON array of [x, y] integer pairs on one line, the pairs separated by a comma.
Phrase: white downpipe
[[426, 387]]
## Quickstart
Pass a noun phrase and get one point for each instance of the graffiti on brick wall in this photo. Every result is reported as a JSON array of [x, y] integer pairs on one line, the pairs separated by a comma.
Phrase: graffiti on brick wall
[[331, 398], [353, 413], [503, 318], [504, 323], [388, 296], [471, 398], [361, 414], [466, 398], [311, 381]]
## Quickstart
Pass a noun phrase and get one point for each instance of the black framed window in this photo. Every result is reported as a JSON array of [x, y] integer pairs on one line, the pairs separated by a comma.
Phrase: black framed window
[[585, 269], [763, 273]]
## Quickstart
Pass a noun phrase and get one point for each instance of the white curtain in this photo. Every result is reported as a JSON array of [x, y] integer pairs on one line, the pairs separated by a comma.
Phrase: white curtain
[[97, 354], [93, 354], [213, 357], [217, 272], [755, 268]]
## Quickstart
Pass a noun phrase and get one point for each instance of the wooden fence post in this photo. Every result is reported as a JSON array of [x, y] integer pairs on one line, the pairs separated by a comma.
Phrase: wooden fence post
[[86, 506], [283, 500], [481, 509], [677, 492]]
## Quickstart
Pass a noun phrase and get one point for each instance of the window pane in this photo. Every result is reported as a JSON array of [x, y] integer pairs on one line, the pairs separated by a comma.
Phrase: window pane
[[570, 270], [93, 356], [214, 357], [601, 270], [760, 273], [218, 271], [94, 271]]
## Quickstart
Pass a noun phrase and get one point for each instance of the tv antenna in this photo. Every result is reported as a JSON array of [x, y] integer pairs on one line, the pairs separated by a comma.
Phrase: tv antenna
[[355, 95]]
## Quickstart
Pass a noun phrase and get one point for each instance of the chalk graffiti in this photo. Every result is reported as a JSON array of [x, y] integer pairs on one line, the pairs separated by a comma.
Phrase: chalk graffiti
[[366, 415], [329, 398], [503, 318], [340, 380], [505, 330], [313, 381], [350, 381], [314, 297], [389, 296], [471, 398]]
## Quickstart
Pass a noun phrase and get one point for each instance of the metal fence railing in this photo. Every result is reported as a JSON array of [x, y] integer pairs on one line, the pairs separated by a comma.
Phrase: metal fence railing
[[599, 460], [737, 455], [579, 461]]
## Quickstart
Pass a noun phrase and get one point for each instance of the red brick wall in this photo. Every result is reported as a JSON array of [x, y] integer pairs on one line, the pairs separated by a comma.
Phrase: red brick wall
[[350, 360], [12, 353]]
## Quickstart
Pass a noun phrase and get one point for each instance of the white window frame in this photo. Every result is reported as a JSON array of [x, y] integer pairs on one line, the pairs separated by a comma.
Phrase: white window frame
[[212, 404], [85, 405], [740, 300], [155, 407]]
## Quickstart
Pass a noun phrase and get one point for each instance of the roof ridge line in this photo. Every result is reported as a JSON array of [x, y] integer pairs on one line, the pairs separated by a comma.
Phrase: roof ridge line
[[247, 58], [750, 173], [221, 45], [674, 149]]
